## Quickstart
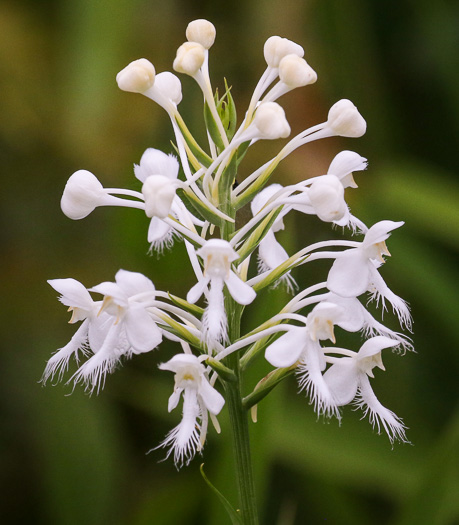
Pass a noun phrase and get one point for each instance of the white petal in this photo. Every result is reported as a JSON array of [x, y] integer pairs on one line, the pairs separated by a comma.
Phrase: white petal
[[197, 290], [141, 330], [240, 291], [349, 275], [73, 293], [375, 345], [271, 252], [174, 399], [286, 350], [311, 380], [133, 283], [379, 414], [342, 380], [379, 232], [156, 162], [212, 399], [60, 360]]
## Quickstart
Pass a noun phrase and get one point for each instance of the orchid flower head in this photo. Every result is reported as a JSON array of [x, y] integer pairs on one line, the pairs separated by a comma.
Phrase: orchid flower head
[[199, 398]]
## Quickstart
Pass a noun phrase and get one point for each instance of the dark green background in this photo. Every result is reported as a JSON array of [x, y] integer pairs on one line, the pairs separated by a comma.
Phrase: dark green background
[[77, 460]]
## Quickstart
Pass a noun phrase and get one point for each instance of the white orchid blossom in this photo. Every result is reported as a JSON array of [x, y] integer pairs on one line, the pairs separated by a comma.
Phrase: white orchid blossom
[[129, 327], [218, 256], [91, 333], [199, 398], [355, 271], [347, 380], [270, 252]]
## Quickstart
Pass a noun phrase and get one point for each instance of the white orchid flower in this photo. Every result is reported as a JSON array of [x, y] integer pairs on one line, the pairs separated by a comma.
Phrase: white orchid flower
[[347, 380], [129, 327], [91, 333], [301, 345], [355, 271], [271, 254], [218, 256], [199, 398], [158, 173]]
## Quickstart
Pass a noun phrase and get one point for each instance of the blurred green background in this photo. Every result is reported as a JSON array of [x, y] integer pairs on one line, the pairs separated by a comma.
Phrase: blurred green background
[[72, 459]]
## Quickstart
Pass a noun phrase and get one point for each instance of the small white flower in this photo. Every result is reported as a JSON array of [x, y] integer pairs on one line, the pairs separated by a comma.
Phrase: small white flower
[[199, 398], [129, 327], [83, 193], [89, 336], [355, 271], [270, 121], [218, 256], [167, 87], [297, 346], [271, 254], [347, 379], [136, 77], [190, 57], [326, 195], [344, 164], [295, 72], [276, 48], [201, 31], [345, 120], [158, 172]]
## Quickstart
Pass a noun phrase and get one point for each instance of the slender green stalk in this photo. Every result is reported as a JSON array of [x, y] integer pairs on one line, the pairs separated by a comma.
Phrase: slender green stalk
[[240, 429], [233, 395]]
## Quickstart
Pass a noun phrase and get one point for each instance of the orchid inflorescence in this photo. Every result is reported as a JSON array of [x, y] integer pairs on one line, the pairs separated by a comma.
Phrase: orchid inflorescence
[[192, 195]]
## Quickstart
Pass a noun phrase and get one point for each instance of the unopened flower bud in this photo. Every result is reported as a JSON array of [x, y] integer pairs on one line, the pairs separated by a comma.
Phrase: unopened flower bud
[[169, 86], [136, 77], [189, 59], [82, 194], [276, 48], [271, 122], [345, 120], [159, 192], [201, 31], [295, 72], [327, 197]]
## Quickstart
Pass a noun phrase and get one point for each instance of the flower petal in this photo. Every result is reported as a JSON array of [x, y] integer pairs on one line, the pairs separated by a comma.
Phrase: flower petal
[[349, 275], [141, 330], [342, 380], [212, 399], [240, 291], [286, 350]]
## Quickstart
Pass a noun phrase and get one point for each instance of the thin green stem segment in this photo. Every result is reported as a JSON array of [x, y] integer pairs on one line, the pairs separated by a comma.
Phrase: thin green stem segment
[[239, 427], [233, 395]]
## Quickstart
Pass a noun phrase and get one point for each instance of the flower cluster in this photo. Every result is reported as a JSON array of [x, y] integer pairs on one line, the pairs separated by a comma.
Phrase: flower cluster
[[191, 195]]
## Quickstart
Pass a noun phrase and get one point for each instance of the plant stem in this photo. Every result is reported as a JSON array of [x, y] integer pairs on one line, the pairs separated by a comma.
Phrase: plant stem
[[241, 442], [233, 392]]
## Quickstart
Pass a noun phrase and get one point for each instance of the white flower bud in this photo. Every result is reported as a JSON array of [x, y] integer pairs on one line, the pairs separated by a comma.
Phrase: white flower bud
[[345, 120], [276, 48], [201, 31], [295, 72], [159, 192], [189, 59], [270, 121], [327, 197], [136, 77], [169, 86], [82, 194]]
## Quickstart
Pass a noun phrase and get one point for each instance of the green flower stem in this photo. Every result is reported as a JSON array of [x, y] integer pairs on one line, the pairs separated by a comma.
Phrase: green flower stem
[[240, 429], [233, 396]]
